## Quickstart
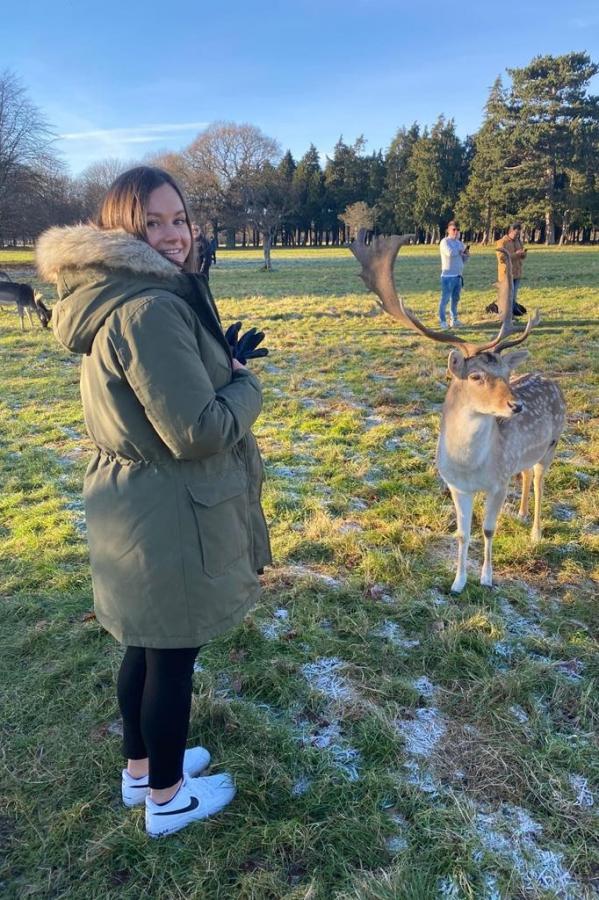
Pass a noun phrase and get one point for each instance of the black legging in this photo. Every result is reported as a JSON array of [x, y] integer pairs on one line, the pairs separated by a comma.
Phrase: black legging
[[154, 694]]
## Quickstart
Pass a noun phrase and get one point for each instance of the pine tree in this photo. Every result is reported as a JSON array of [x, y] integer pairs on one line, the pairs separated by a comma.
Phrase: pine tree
[[399, 196], [438, 163], [486, 201], [550, 118], [309, 196]]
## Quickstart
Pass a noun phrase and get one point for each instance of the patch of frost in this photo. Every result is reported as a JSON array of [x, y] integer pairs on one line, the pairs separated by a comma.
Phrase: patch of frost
[[322, 676], [424, 686], [422, 733], [580, 786], [391, 631]]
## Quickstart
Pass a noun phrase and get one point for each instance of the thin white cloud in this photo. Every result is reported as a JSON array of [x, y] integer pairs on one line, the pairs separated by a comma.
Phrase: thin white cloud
[[136, 135]]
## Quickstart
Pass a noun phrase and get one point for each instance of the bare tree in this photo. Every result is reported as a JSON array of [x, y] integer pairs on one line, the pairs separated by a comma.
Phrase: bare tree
[[220, 161], [26, 140], [358, 215], [94, 182]]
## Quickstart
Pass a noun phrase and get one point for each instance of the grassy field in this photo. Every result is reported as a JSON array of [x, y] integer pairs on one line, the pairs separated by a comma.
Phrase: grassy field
[[390, 741]]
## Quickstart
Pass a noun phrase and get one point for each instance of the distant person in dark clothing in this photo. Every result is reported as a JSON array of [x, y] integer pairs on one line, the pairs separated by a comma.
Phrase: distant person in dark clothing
[[203, 252], [213, 248]]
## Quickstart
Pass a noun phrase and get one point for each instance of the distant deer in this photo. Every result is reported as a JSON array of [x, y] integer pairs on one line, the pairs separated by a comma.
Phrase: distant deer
[[25, 299], [492, 425]]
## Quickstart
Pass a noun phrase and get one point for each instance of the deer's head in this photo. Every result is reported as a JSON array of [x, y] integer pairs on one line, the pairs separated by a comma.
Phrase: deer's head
[[43, 312], [482, 382]]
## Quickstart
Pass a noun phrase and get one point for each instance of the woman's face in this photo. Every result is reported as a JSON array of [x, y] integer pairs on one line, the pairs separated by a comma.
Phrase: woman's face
[[166, 226]]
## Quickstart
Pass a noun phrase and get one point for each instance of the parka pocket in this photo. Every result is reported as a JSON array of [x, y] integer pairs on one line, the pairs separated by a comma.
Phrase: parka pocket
[[222, 516]]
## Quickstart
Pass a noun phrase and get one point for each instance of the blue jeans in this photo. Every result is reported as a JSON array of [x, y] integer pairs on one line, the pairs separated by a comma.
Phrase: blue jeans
[[515, 291], [451, 286]]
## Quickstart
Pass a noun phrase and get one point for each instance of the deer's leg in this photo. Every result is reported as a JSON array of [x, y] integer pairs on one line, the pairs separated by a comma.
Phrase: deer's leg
[[22, 318], [539, 477], [493, 504], [526, 483], [28, 311], [463, 509]]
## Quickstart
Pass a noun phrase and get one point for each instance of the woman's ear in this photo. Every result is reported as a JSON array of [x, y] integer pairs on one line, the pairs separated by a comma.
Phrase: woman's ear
[[456, 364], [514, 359]]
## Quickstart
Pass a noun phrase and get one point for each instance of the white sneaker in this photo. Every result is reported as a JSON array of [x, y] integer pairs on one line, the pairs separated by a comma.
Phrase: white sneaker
[[455, 323], [197, 798], [135, 790], [443, 326]]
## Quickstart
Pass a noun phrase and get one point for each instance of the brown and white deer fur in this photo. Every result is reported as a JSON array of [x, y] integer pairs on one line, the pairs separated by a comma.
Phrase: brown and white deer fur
[[493, 425]]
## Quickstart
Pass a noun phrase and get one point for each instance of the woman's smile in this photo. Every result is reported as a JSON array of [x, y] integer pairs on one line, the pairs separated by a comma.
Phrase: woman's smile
[[167, 227]]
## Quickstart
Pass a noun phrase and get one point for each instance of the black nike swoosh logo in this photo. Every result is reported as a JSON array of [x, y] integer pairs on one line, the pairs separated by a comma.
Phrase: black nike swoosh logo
[[193, 804], [142, 787]]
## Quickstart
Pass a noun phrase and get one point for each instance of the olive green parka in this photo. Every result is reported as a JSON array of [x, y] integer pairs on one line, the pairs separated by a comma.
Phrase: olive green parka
[[172, 494]]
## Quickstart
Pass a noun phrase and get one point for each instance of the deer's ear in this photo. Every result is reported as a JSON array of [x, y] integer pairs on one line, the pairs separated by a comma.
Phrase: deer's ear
[[514, 359], [456, 364]]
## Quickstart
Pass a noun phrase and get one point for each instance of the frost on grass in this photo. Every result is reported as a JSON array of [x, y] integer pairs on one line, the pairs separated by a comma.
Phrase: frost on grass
[[373, 422], [77, 509], [381, 592], [301, 571], [519, 714], [518, 625], [71, 433], [395, 843], [563, 513], [301, 786], [323, 676], [297, 473], [423, 732], [349, 527], [449, 888], [356, 504], [278, 626], [424, 686], [421, 778], [391, 632], [512, 834], [584, 795], [328, 736]]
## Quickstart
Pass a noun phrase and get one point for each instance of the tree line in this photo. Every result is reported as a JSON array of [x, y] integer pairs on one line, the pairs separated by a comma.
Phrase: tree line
[[533, 159]]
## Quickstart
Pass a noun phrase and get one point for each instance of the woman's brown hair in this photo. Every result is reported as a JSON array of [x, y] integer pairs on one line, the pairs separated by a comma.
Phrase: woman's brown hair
[[126, 202]]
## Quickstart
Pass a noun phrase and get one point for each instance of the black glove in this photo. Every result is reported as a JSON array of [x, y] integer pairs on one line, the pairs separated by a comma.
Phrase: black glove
[[232, 336], [492, 308], [244, 347]]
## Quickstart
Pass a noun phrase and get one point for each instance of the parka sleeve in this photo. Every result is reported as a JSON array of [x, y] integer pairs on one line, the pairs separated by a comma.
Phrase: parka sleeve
[[159, 353]]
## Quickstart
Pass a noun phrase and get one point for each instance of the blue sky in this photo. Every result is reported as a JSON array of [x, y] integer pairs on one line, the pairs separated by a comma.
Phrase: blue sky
[[128, 78]]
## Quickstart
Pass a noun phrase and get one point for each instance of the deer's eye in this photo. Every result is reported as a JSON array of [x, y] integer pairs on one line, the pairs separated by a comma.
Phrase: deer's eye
[[475, 376]]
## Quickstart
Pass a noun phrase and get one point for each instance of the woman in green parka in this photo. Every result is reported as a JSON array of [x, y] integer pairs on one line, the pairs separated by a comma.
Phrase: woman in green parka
[[175, 527]]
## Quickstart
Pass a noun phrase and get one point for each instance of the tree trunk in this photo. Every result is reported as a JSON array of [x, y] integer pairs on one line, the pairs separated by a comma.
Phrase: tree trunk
[[230, 238], [549, 208], [266, 245]]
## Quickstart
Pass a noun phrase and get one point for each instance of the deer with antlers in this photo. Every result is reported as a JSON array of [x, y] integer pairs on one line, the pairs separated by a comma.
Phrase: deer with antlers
[[493, 425]]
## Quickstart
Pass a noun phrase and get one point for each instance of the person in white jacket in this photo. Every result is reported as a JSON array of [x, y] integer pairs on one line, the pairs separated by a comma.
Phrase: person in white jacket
[[454, 254]]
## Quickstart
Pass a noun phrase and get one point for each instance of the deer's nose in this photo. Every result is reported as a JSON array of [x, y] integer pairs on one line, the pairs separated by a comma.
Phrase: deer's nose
[[515, 406]]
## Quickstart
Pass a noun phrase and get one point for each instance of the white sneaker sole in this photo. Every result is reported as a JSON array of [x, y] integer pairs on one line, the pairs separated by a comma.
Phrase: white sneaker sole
[[161, 823]]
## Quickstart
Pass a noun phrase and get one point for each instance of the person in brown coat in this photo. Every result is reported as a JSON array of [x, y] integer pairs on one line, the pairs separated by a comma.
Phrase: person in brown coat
[[172, 493], [511, 243]]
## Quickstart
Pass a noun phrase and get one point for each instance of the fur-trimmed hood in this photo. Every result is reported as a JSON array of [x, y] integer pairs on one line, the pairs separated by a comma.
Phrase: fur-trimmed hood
[[85, 246], [95, 272]]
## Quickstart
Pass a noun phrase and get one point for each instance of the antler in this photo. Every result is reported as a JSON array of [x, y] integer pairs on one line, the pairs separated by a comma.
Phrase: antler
[[378, 262]]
